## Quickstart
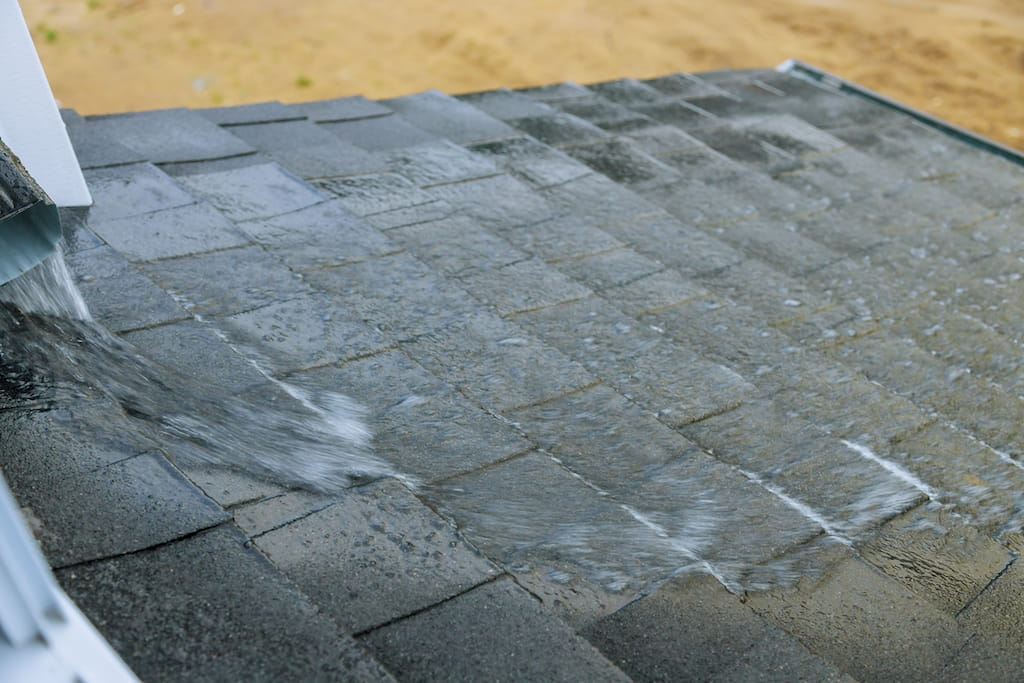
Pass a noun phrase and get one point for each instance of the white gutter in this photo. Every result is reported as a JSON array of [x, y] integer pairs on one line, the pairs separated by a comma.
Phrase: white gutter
[[44, 638]]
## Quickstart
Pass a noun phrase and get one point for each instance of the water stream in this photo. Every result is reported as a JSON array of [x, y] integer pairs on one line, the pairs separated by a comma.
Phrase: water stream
[[50, 344]]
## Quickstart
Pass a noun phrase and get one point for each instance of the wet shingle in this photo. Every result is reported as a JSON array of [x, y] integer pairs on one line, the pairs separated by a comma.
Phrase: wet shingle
[[507, 635], [891, 636], [133, 190], [613, 355], [119, 296], [496, 202], [238, 615], [253, 192], [375, 556], [447, 117], [625, 163], [325, 234], [301, 333], [533, 162], [506, 104], [559, 129], [169, 135], [77, 522], [720, 637], [181, 230], [260, 112], [628, 92], [682, 85], [225, 282], [77, 235], [307, 150], [557, 91], [194, 350], [379, 133], [602, 112], [439, 162], [340, 109], [376, 193], [454, 435], [679, 114], [94, 147]]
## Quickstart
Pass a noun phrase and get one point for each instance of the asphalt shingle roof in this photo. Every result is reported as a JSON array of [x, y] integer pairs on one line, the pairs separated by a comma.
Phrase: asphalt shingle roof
[[707, 376]]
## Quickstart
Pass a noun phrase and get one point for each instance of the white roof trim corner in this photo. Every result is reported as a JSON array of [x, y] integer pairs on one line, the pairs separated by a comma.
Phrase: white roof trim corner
[[29, 121], [44, 638]]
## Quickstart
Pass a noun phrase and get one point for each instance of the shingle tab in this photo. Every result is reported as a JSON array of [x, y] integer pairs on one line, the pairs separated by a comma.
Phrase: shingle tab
[[628, 92], [720, 638], [201, 591], [261, 112], [454, 435], [682, 85], [496, 202], [506, 104], [77, 523], [253, 192], [680, 114], [377, 193], [557, 91], [533, 162], [340, 109], [133, 190], [227, 282], [375, 556], [95, 148], [181, 230], [303, 332], [193, 349], [624, 163], [439, 162], [559, 129], [169, 135], [508, 635], [307, 150], [325, 234], [447, 117], [603, 112], [379, 133], [118, 296]]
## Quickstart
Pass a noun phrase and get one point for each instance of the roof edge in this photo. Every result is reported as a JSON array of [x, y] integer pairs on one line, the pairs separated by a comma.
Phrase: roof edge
[[812, 73]]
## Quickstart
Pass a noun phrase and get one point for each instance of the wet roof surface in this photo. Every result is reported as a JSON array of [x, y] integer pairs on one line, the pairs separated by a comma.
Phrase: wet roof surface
[[709, 376]]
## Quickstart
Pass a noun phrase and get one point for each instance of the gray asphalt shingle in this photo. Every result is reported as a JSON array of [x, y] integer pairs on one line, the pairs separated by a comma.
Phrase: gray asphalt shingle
[[733, 349]]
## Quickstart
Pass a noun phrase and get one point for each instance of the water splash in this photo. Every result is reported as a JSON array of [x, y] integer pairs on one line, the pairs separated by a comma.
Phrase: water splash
[[892, 468], [49, 344]]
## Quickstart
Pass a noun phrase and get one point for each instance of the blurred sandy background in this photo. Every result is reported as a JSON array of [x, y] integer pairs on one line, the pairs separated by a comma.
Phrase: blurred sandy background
[[962, 60]]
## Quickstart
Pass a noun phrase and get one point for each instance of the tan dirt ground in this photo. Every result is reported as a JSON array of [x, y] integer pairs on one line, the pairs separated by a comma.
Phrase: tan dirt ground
[[962, 60]]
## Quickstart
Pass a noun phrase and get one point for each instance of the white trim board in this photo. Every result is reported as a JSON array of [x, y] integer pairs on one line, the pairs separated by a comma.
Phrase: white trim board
[[29, 121]]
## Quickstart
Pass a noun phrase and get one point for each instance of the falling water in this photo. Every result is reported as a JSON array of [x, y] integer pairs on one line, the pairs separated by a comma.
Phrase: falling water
[[48, 290], [49, 342]]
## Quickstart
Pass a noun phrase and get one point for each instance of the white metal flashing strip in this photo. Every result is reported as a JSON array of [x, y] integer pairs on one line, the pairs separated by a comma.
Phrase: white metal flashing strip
[[29, 121]]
